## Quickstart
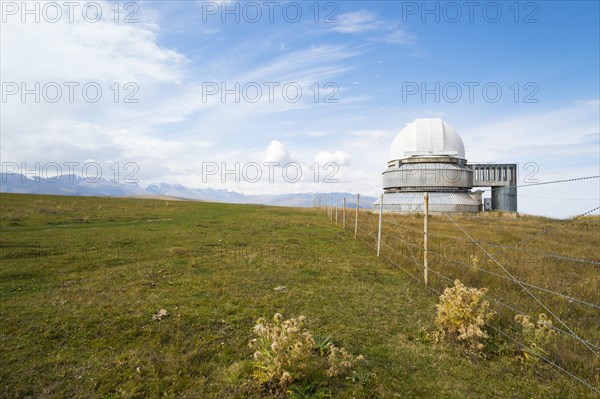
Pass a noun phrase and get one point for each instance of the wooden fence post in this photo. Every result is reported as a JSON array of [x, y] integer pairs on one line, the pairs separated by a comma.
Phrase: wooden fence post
[[356, 219], [344, 215], [425, 244], [380, 220], [336, 210]]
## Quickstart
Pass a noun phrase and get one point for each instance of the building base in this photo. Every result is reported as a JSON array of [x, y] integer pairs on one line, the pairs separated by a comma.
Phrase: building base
[[413, 202]]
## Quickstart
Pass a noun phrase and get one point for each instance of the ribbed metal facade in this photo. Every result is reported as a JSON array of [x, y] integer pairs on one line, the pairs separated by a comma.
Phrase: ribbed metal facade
[[427, 176], [438, 202]]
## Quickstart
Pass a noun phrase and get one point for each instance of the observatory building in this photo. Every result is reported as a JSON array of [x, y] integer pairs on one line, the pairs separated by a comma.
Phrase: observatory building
[[428, 156]]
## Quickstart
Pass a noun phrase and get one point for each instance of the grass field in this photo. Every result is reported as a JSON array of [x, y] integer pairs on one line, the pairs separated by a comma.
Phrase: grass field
[[81, 279], [559, 261]]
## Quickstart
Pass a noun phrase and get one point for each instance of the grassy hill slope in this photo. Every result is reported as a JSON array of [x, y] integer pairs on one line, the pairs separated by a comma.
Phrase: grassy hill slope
[[81, 278]]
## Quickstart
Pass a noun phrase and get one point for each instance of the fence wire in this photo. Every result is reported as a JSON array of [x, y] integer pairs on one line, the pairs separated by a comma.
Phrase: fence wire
[[411, 252]]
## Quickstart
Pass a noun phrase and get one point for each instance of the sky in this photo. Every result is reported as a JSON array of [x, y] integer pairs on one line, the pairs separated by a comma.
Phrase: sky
[[284, 97]]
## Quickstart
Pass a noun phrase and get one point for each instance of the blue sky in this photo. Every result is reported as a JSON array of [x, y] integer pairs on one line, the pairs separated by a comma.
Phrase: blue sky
[[369, 52]]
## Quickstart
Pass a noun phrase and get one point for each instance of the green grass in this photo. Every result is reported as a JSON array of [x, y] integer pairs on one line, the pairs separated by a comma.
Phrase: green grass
[[524, 246], [81, 278]]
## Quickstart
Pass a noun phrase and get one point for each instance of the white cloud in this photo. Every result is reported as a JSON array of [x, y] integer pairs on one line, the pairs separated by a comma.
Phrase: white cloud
[[340, 158], [276, 152], [557, 133], [357, 22], [103, 53], [400, 36], [172, 125], [365, 21], [79, 50], [313, 64]]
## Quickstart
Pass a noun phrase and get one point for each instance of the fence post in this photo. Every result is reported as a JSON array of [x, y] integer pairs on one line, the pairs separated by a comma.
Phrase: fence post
[[336, 210], [380, 219], [356, 219], [344, 215], [425, 244]]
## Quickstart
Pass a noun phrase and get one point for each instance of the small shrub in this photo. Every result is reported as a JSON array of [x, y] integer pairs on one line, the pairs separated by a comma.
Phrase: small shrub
[[498, 346], [323, 342], [340, 362], [283, 350], [289, 359], [308, 390], [363, 378], [537, 336], [462, 315]]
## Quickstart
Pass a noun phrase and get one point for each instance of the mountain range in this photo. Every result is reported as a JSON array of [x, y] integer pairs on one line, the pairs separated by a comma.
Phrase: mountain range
[[78, 186]]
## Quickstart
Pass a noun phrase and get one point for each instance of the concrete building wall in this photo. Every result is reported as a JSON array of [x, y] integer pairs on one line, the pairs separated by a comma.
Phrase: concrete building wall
[[502, 178]]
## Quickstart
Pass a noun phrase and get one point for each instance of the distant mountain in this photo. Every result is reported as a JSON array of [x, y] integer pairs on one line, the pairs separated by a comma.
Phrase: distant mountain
[[76, 185], [303, 200], [210, 195], [67, 185]]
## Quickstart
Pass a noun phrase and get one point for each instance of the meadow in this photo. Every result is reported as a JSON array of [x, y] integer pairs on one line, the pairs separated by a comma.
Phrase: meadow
[[81, 279], [556, 264]]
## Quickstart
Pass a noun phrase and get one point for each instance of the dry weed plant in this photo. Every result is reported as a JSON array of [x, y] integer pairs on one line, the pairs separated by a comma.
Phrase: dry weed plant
[[286, 353], [462, 315], [536, 335]]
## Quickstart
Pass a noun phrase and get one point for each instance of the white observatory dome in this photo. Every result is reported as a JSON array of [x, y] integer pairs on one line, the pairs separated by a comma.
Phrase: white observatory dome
[[427, 137]]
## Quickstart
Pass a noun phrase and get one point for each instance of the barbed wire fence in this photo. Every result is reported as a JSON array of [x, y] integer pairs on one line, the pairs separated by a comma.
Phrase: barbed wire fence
[[525, 274]]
